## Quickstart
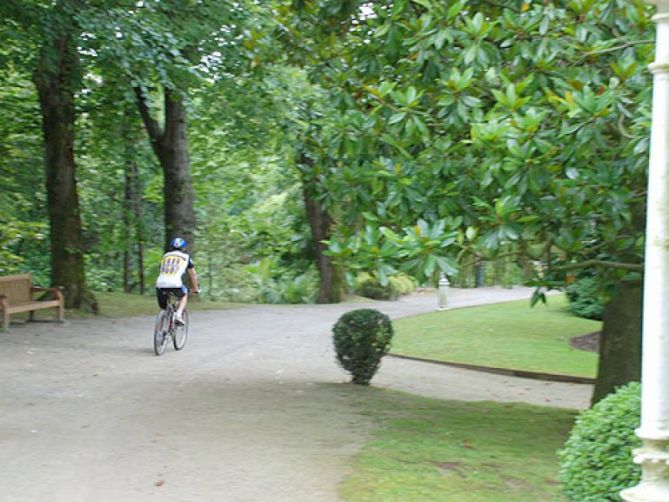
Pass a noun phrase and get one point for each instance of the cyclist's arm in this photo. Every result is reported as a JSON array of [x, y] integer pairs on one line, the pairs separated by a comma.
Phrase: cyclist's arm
[[193, 280]]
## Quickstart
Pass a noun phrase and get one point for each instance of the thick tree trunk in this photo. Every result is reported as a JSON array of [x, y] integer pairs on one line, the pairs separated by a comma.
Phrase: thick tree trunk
[[178, 190], [620, 344], [54, 78], [171, 147]]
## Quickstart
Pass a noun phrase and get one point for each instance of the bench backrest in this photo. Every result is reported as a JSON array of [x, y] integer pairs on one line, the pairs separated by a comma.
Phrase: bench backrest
[[16, 288]]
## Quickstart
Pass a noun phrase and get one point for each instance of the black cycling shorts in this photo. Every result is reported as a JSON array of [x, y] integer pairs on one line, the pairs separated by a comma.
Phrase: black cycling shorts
[[163, 294]]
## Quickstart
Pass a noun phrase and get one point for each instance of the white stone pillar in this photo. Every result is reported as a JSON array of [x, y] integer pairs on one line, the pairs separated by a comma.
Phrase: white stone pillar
[[654, 430], [442, 300]]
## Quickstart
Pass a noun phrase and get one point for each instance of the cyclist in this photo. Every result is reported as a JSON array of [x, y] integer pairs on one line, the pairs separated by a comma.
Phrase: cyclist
[[172, 267]]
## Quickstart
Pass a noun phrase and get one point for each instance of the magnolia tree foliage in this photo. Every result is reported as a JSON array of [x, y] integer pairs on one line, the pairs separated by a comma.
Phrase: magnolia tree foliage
[[513, 128], [513, 122]]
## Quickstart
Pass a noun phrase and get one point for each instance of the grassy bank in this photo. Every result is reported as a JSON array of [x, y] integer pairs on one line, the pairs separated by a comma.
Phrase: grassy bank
[[128, 305], [504, 335], [454, 451]]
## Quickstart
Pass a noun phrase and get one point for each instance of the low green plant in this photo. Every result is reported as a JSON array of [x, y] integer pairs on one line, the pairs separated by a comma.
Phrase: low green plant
[[361, 338], [596, 461], [402, 283], [585, 298], [301, 289], [369, 286], [278, 284]]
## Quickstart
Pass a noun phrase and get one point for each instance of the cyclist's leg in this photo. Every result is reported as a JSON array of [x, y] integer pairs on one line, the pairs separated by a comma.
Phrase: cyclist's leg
[[183, 300], [162, 295]]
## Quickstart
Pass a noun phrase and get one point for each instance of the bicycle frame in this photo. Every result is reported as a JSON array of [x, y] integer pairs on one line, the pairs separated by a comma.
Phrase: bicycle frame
[[166, 328]]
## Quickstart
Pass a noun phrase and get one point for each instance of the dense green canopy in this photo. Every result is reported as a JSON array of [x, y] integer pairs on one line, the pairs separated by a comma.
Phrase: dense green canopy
[[295, 143]]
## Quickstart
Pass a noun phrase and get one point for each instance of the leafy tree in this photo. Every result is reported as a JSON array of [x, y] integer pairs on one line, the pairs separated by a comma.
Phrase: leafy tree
[[252, 223], [116, 164], [23, 234], [514, 126], [51, 31]]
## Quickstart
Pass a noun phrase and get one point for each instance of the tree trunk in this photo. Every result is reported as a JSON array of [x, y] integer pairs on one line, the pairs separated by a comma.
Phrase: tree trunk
[[170, 145], [320, 223], [139, 227], [55, 79], [132, 210], [329, 290], [126, 271], [127, 225], [620, 343]]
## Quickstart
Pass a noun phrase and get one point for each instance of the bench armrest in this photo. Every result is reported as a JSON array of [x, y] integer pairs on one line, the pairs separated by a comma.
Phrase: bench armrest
[[57, 291]]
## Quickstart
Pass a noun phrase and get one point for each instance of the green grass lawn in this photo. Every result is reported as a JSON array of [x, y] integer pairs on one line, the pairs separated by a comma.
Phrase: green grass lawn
[[509, 335], [454, 451], [128, 305]]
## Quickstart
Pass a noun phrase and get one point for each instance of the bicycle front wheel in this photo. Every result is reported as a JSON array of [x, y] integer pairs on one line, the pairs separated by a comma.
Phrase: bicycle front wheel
[[160, 333], [181, 332]]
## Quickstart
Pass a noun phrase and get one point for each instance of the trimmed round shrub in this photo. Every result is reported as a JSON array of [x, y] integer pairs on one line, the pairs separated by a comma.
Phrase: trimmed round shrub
[[361, 338], [596, 461]]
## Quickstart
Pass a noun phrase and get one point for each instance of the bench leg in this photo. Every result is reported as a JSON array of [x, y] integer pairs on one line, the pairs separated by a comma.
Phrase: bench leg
[[61, 312], [31, 316]]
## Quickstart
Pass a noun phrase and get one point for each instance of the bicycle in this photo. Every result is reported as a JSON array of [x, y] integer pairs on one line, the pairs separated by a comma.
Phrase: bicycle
[[166, 328]]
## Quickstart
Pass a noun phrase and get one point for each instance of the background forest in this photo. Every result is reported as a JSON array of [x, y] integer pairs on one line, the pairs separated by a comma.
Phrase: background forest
[[301, 146]]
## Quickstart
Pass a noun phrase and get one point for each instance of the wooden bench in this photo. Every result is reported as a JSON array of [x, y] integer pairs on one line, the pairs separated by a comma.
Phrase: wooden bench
[[16, 295]]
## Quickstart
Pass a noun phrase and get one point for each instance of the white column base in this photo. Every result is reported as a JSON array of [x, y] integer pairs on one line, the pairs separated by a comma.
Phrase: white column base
[[653, 457]]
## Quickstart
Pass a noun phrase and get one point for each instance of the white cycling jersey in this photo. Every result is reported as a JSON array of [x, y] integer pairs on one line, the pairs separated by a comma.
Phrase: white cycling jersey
[[172, 268]]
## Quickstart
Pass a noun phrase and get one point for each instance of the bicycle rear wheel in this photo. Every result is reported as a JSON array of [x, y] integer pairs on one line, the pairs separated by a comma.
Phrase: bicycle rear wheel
[[181, 332], [160, 333]]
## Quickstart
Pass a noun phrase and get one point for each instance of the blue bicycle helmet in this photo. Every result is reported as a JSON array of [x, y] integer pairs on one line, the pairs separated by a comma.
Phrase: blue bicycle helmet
[[177, 244]]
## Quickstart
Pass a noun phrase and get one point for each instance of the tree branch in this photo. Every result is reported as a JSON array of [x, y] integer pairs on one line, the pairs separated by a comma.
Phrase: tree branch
[[152, 125], [632, 267], [479, 258], [618, 47]]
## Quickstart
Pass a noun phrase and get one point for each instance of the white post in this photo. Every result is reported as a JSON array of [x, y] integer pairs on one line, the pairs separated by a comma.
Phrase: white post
[[443, 293], [654, 429]]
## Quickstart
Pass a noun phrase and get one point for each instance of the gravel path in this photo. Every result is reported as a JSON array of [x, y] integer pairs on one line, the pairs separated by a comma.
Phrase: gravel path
[[251, 410]]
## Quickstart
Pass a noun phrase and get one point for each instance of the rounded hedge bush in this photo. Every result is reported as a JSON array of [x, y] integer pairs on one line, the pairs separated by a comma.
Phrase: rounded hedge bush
[[361, 338], [596, 461]]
